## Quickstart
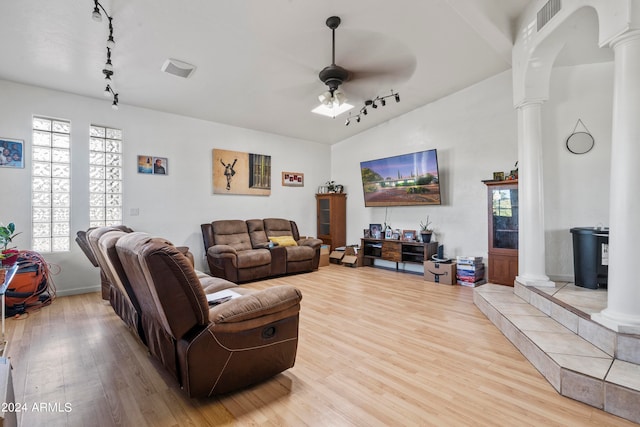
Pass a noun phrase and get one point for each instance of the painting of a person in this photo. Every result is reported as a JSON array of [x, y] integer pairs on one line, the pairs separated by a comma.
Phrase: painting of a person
[[229, 172], [158, 168]]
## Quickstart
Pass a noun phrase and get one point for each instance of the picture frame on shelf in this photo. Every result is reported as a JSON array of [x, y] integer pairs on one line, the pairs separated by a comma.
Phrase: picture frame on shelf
[[498, 176], [375, 231], [388, 233], [367, 233], [409, 235]]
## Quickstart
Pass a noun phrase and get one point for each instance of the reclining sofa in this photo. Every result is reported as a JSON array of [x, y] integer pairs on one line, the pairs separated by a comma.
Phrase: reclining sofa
[[162, 299], [242, 251]]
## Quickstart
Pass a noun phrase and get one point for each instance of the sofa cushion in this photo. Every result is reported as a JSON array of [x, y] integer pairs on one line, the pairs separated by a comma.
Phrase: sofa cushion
[[299, 253], [233, 233], [283, 240], [257, 234], [277, 227], [254, 258]]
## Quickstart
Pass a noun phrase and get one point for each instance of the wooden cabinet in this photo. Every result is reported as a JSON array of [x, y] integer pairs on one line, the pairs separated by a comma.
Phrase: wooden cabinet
[[332, 218], [395, 251], [503, 231]]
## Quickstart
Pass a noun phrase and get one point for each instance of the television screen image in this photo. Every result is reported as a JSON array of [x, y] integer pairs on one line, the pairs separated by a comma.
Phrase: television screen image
[[408, 179]]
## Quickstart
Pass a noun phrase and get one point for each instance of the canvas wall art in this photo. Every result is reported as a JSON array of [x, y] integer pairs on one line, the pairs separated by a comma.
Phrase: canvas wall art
[[236, 172]]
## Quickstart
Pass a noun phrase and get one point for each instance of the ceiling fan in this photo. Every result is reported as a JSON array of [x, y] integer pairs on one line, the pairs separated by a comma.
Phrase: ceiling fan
[[333, 75]]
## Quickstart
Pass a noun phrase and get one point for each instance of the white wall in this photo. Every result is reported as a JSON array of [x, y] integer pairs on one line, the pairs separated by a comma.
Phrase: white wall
[[171, 206], [475, 134], [576, 187]]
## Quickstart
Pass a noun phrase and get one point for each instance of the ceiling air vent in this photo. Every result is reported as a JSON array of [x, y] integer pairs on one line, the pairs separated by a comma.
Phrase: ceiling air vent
[[547, 12], [178, 68]]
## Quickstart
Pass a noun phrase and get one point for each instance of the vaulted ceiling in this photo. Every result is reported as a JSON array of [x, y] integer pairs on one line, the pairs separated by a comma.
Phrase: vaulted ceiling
[[258, 60]]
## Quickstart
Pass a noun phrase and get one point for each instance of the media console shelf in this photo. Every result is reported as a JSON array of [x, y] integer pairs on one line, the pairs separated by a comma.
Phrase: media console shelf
[[395, 251]]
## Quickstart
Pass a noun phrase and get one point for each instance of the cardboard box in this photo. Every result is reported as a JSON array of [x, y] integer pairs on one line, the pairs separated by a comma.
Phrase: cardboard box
[[350, 260], [440, 273], [336, 256], [324, 256]]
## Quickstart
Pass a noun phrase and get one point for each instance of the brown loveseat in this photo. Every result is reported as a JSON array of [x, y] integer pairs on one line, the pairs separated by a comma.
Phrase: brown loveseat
[[209, 350], [241, 251]]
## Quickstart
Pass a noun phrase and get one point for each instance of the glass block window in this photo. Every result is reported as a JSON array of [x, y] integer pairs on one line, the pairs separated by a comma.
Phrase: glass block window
[[105, 176], [51, 185]]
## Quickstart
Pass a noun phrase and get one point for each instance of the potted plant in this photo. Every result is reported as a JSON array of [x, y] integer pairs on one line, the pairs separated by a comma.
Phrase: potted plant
[[9, 256], [426, 230]]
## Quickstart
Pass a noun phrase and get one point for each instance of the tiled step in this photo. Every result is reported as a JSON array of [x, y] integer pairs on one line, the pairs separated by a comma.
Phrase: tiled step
[[580, 358]]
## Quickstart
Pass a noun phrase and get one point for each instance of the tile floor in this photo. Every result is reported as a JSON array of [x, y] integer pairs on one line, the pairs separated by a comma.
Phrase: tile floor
[[581, 359]]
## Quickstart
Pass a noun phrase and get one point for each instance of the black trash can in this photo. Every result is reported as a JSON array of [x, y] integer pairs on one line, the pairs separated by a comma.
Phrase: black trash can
[[590, 256]]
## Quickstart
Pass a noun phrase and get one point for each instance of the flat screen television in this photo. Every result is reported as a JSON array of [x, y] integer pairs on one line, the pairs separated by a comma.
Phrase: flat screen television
[[408, 179]]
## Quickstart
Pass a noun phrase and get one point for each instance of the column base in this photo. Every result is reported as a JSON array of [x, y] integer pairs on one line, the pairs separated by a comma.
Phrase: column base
[[620, 324], [540, 281]]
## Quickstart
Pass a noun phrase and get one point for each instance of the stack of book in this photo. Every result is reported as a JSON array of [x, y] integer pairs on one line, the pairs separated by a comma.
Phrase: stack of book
[[470, 271]]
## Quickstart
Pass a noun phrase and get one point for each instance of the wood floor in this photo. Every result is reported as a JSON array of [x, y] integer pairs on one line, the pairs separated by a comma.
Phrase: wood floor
[[376, 348]]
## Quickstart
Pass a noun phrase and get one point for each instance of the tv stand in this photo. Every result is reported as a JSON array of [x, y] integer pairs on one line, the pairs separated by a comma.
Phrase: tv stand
[[395, 251]]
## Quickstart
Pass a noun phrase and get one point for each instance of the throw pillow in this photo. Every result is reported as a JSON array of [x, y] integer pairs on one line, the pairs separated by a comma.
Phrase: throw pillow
[[283, 240]]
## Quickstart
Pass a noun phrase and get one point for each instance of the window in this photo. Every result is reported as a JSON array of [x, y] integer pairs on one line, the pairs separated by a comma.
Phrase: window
[[105, 176], [51, 185]]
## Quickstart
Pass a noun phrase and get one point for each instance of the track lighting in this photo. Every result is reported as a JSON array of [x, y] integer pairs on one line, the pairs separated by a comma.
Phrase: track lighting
[[109, 91], [108, 66], [373, 103]]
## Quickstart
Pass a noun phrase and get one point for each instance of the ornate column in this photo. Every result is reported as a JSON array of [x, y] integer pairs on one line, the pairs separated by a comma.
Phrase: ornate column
[[531, 248], [623, 297]]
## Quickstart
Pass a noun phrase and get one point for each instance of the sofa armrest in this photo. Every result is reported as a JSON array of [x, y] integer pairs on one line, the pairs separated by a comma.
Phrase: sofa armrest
[[310, 242], [217, 250], [257, 304]]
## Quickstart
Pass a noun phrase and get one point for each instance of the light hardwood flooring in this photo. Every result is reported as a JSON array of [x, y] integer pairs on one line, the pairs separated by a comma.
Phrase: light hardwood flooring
[[376, 348]]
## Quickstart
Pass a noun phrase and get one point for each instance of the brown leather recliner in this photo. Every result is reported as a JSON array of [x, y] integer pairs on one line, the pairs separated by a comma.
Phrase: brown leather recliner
[[210, 350], [92, 236], [239, 250]]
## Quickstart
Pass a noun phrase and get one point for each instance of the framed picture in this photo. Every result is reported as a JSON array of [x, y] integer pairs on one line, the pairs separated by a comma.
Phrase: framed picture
[[367, 233], [11, 153], [388, 233], [153, 165], [375, 231], [395, 236], [292, 179], [498, 176], [237, 172], [409, 235]]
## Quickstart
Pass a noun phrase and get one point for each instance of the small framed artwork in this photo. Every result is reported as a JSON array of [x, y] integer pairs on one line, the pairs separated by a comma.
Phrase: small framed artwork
[[409, 235], [293, 179], [367, 233], [388, 233], [395, 236], [11, 153], [375, 231], [498, 176], [153, 165]]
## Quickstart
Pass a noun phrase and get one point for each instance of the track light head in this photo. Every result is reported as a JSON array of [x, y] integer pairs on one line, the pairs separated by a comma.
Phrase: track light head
[[347, 122], [111, 43], [373, 104], [107, 91], [115, 101], [364, 111], [358, 119], [96, 15], [383, 102], [397, 97]]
